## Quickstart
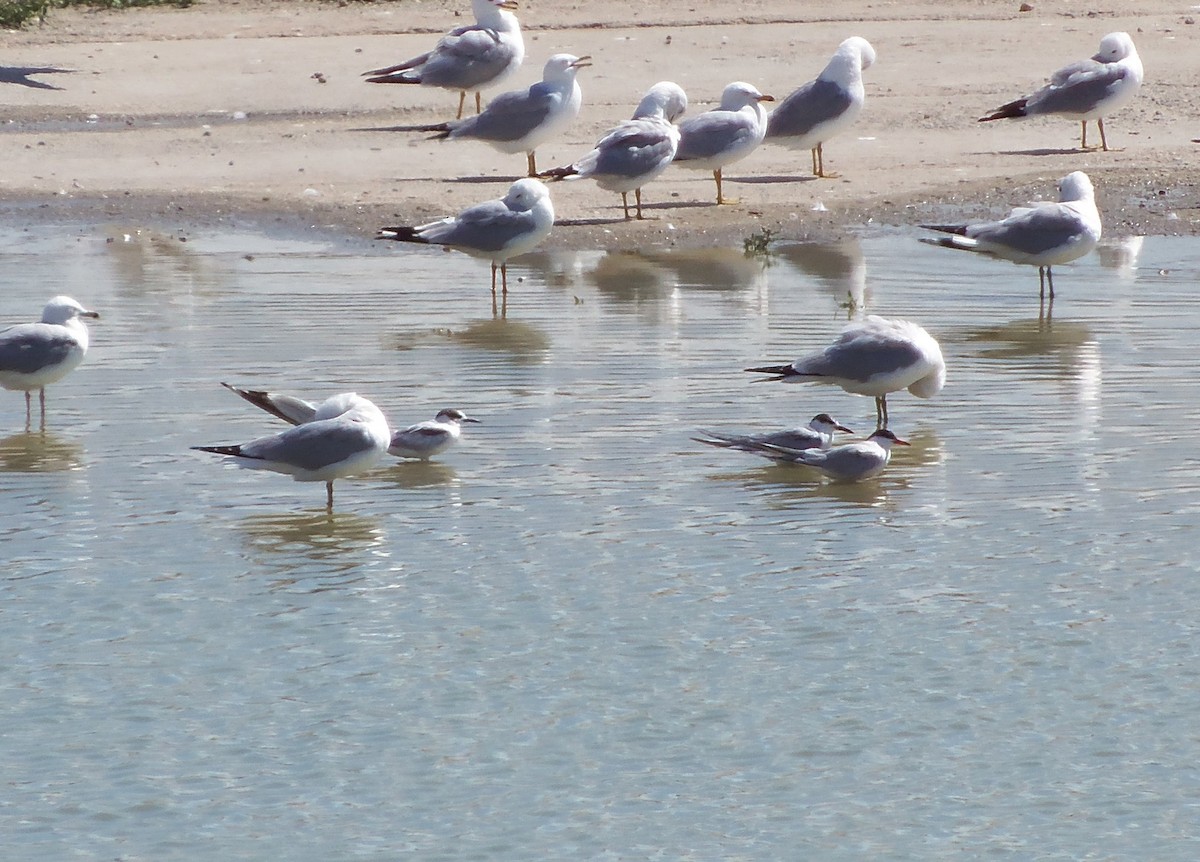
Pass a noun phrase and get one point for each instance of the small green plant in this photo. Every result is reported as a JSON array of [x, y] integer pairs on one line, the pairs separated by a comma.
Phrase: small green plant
[[18, 13], [758, 244]]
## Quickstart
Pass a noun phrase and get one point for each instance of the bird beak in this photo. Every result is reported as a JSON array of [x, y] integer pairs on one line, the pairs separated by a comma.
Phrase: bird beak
[[471, 419], [94, 315], [580, 62], [510, 5], [765, 98], [842, 428], [899, 442]]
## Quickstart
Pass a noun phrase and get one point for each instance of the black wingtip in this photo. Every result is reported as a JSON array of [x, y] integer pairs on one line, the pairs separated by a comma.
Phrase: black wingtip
[[1006, 112], [559, 173], [401, 233], [220, 450], [960, 229]]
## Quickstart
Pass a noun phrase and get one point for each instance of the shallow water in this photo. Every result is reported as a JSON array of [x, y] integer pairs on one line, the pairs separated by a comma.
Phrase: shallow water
[[580, 634]]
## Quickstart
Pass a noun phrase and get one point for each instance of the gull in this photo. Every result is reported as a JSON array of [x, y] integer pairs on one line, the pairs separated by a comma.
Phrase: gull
[[34, 355], [636, 151], [725, 134], [496, 229], [520, 120], [818, 434], [873, 356], [422, 440], [1087, 90], [850, 463], [1041, 235], [346, 434], [826, 106], [476, 57]]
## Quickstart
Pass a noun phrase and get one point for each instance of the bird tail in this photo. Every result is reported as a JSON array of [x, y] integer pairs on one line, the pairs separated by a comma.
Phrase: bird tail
[[401, 233], [713, 438], [1007, 112], [399, 74], [222, 450], [780, 372], [962, 243], [559, 173]]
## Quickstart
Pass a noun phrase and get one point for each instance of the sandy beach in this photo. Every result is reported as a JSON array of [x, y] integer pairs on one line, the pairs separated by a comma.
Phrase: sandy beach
[[256, 112]]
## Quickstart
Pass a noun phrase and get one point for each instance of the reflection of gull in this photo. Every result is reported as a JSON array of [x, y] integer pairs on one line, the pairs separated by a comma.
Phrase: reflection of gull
[[839, 266], [39, 452], [822, 108], [423, 440], [850, 463], [636, 151], [1121, 255], [873, 357], [481, 55], [346, 435], [496, 230], [1086, 90], [712, 268], [726, 134], [1041, 235], [520, 120], [818, 434], [34, 355]]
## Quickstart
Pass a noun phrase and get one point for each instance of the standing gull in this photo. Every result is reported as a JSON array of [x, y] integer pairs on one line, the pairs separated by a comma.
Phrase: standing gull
[[822, 108], [874, 356], [1087, 90], [34, 355], [636, 151], [818, 434], [347, 434], [1040, 235], [422, 440], [725, 134], [853, 462], [521, 120], [496, 230], [476, 57]]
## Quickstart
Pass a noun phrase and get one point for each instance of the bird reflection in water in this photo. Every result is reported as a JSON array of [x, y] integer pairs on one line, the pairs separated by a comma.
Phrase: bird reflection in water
[[39, 452], [412, 475], [839, 268], [331, 548]]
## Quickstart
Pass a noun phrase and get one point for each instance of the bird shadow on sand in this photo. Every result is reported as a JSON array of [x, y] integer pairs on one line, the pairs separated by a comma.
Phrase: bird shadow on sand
[[589, 222], [19, 75], [1044, 151], [421, 128], [483, 180], [679, 205], [771, 180]]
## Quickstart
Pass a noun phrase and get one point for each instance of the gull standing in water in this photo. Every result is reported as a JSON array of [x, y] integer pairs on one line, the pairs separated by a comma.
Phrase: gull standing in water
[[850, 463], [636, 151], [495, 230], [818, 434], [476, 57], [874, 356], [521, 120], [422, 440], [825, 107], [1087, 90], [347, 434], [1041, 235], [34, 355], [725, 134]]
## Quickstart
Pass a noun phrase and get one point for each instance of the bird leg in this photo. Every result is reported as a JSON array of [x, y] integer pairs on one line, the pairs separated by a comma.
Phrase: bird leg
[[816, 171], [637, 193], [42, 401], [1103, 140], [329, 496], [504, 279], [881, 417], [478, 102], [625, 204], [1050, 282], [493, 278], [1041, 282], [1083, 141], [462, 98], [532, 163], [28, 410]]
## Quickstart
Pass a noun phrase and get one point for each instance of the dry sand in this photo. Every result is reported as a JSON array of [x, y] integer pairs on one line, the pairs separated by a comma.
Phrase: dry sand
[[148, 125]]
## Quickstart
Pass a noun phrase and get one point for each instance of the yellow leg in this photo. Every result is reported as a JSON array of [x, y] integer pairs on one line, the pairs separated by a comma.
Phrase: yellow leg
[[532, 163], [637, 193], [625, 204], [462, 98], [478, 103]]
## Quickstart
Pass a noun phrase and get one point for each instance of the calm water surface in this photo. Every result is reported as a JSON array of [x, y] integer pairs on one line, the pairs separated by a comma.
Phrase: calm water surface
[[580, 635]]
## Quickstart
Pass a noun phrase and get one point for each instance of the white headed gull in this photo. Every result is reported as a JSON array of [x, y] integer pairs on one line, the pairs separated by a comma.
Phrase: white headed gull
[[1088, 90], [520, 120], [1041, 235], [725, 134], [34, 355], [475, 57], [818, 434], [346, 435], [495, 230], [874, 356], [822, 108], [636, 151], [422, 440], [850, 463]]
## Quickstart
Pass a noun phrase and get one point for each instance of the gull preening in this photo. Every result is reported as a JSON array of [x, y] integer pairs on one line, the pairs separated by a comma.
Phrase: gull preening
[[1088, 90], [519, 121], [818, 434], [346, 434], [826, 106], [34, 355], [422, 440], [495, 230], [1042, 234], [873, 357], [636, 151], [725, 134], [475, 57], [853, 462]]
